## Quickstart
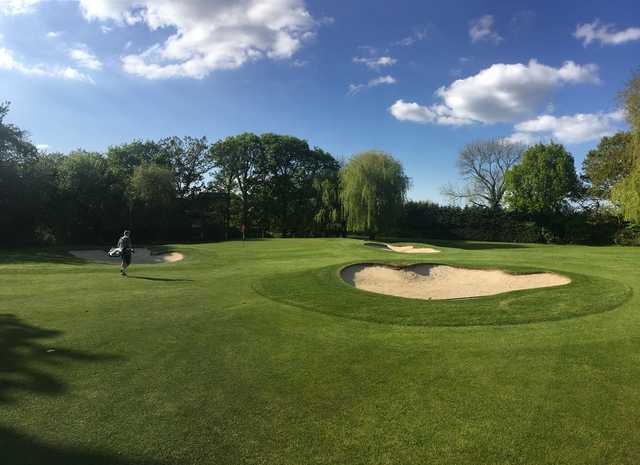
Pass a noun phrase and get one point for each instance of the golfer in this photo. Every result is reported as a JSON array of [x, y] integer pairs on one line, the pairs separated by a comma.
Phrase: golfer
[[124, 244]]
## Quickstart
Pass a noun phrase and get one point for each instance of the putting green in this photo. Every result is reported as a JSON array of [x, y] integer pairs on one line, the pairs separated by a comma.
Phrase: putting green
[[323, 290]]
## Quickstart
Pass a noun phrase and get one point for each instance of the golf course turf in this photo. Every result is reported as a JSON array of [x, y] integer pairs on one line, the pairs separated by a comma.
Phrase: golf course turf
[[258, 353]]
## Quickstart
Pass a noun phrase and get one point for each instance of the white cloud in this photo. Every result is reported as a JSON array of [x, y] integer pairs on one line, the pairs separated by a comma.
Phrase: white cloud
[[42, 147], [378, 81], [208, 36], [9, 62], [299, 63], [417, 36], [504, 92], [54, 34], [415, 113], [480, 29], [375, 62], [85, 58], [17, 7], [105, 29], [605, 33], [581, 127]]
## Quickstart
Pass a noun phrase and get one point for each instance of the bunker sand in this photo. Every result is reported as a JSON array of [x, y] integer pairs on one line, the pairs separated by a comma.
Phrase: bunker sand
[[439, 282], [141, 256], [402, 248]]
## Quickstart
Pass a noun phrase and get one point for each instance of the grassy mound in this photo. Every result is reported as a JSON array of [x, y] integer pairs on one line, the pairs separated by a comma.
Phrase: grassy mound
[[323, 290]]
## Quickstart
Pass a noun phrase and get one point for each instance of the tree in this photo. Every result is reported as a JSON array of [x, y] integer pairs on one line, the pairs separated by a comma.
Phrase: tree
[[373, 190], [152, 192], [189, 157], [237, 157], [543, 181], [483, 165], [15, 145], [608, 164], [627, 191]]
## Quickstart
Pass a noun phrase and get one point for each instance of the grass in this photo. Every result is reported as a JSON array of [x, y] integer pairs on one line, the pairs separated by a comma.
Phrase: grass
[[256, 353]]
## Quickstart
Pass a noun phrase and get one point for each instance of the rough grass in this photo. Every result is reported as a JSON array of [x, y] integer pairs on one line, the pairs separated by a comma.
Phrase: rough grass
[[186, 363]]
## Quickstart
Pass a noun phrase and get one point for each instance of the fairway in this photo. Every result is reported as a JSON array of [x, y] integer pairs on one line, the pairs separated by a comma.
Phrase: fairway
[[207, 361]]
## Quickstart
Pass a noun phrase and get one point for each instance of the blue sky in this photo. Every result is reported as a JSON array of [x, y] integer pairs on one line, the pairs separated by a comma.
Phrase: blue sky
[[417, 79]]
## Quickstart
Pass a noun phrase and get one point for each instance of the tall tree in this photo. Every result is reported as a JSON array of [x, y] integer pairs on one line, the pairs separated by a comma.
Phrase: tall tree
[[483, 165], [189, 157], [373, 191], [607, 164], [15, 145], [239, 157], [544, 180], [627, 191]]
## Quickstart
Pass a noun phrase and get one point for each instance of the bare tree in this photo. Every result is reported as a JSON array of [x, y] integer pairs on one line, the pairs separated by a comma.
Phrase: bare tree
[[483, 165]]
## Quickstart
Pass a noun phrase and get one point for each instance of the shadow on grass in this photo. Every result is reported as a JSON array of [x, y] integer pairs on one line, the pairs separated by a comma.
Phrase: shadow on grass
[[25, 256], [23, 359], [148, 278], [474, 245], [20, 449]]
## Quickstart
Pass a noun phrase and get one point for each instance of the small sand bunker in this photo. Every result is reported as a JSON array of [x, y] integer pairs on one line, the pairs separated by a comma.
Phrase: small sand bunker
[[141, 256], [443, 282], [402, 248]]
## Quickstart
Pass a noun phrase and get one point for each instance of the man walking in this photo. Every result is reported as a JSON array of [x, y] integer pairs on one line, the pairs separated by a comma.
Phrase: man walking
[[124, 244]]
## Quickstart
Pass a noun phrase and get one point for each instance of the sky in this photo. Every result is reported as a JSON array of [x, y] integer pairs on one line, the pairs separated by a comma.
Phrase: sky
[[417, 79]]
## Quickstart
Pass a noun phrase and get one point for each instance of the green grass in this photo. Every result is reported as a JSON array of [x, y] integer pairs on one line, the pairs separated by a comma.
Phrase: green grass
[[257, 353]]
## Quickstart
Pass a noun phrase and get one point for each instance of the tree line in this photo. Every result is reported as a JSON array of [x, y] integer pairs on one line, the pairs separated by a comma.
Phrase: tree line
[[183, 189]]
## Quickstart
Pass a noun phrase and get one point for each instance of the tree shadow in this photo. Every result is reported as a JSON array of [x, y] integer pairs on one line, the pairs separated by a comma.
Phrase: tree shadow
[[20, 449], [148, 278], [474, 245], [35, 255], [23, 359]]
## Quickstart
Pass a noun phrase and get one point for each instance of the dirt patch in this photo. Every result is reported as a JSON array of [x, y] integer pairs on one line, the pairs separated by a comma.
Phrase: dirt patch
[[402, 248], [141, 256], [443, 282]]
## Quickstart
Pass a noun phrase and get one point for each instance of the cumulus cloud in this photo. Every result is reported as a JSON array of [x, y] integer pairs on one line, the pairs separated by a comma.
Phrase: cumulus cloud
[[581, 127], [208, 36], [415, 113], [54, 34], [17, 7], [500, 93], [375, 62], [480, 29], [85, 58], [605, 33], [9, 62], [379, 81]]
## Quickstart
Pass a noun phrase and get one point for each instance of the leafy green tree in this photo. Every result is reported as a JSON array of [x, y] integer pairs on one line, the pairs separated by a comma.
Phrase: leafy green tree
[[152, 192], [88, 210], [15, 145], [608, 164], [124, 158], [238, 157], [627, 191], [190, 160], [627, 194], [373, 191], [543, 181]]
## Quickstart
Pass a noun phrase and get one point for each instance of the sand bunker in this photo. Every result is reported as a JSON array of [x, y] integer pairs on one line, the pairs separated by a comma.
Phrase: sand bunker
[[141, 256], [402, 248], [443, 282]]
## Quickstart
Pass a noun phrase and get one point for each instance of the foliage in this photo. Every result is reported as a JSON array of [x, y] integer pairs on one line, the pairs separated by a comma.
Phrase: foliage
[[607, 164], [373, 190], [483, 165], [190, 160], [627, 193], [544, 181]]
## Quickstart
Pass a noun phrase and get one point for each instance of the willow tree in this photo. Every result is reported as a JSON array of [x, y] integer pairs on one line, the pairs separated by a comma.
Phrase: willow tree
[[373, 189], [627, 191]]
